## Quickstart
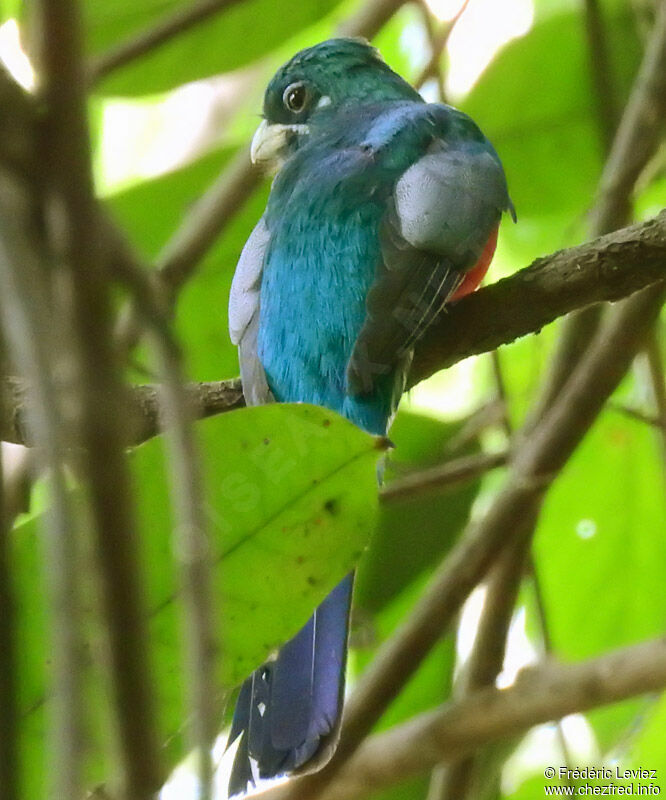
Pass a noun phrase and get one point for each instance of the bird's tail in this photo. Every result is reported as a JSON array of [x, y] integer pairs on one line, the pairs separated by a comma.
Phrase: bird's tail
[[288, 711]]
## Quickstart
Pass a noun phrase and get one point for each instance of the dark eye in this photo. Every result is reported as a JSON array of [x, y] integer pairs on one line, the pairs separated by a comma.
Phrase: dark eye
[[294, 97]]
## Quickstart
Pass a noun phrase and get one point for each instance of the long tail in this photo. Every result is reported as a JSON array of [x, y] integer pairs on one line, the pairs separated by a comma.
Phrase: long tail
[[288, 711]]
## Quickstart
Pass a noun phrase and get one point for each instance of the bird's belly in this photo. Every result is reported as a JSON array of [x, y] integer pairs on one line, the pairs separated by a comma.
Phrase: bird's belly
[[312, 310]]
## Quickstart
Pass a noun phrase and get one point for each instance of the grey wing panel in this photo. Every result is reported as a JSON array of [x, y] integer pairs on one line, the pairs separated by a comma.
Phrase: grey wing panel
[[450, 200], [244, 315], [409, 290], [443, 210]]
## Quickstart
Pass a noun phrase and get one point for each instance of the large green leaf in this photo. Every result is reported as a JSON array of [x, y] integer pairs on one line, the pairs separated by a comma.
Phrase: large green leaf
[[225, 41], [291, 499], [601, 551]]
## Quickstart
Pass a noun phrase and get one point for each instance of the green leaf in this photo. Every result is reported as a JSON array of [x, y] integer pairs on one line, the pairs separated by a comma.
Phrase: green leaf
[[232, 38], [413, 534], [537, 104], [601, 553], [291, 500]]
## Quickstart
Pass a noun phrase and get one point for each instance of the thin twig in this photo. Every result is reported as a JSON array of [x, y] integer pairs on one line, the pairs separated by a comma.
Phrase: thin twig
[[438, 41], [191, 545], [601, 71], [541, 693], [370, 18], [443, 476], [459, 780], [155, 36], [31, 333], [75, 241], [658, 383], [9, 766]]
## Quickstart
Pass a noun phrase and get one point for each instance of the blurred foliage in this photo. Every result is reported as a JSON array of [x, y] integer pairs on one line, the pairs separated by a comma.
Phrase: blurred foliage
[[600, 552], [281, 539]]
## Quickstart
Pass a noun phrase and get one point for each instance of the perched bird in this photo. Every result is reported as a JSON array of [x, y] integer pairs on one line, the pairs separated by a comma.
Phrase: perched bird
[[383, 208]]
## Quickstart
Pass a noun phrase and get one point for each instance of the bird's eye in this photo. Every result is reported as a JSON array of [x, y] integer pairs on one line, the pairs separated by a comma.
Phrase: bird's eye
[[294, 97]]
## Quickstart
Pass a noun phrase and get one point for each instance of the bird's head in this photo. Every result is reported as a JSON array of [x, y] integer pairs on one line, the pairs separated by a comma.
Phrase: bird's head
[[315, 83]]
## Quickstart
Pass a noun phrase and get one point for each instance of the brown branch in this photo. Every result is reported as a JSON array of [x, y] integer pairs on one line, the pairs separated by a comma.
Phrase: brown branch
[[9, 765], [511, 517], [370, 18], [438, 41], [636, 141], [32, 333], [155, 36], [74, 237], [540, 694], [193, 549], [460, 778], [604, 269], [608, 268], [446, 475], [601, 71]]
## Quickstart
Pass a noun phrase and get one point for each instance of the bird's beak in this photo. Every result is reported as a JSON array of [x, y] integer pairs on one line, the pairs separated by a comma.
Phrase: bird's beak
[[271, 143]]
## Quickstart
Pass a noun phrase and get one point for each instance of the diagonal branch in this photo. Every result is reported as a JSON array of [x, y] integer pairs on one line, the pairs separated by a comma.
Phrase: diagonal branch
[[635, 142], [511, 517], [158, 34], [607, 268], [73, 229], [540, 694]]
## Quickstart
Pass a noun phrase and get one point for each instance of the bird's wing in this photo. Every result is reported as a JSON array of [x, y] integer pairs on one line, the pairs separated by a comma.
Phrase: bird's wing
[[443, 211], [244, 315]]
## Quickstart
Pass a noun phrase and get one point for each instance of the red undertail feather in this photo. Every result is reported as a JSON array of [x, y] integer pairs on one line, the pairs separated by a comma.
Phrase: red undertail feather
[[474, 277]]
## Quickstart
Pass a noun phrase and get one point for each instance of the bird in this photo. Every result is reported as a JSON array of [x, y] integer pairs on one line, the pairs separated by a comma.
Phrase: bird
[[382, 209]]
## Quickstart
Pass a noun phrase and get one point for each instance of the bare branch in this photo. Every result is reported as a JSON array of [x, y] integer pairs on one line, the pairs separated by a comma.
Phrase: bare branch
[[605, 269], [370, 18], [636, 140], [192, 547], [601, 71], [32, 334], [449, 474], [157, 35], [74, 237], [540, 694], [459, 780]]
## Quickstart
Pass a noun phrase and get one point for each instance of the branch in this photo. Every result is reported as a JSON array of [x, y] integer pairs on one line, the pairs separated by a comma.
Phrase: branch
[[636, 140], [450, 473], [608, 268], [72, 223], [605, 269], [459, 780], [601, 72], [540, 694], [139, 45]]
